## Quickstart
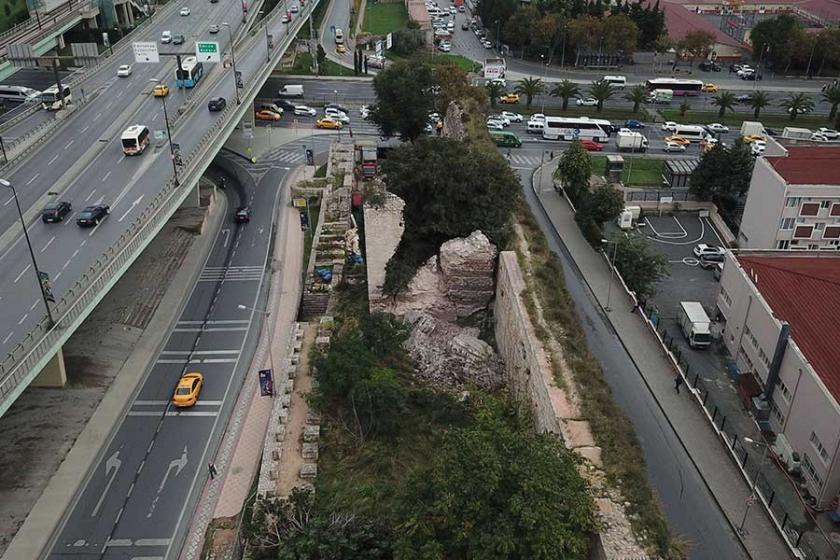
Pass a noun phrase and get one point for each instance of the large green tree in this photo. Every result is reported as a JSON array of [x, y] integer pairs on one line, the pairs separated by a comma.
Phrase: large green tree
[[494, 91], [636, 95], [797, 104], [529, 87], [639, 266], [758, 101], [777, 40], [620, 35], [497, 491], [723, 175], [403, 99], [697, 44], [519, 28], [565, 90], [601, 91], [604, 204], [725, 100], [573, 171]]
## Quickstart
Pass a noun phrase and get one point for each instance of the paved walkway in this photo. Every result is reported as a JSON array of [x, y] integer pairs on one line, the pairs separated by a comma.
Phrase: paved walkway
[[690, 424]]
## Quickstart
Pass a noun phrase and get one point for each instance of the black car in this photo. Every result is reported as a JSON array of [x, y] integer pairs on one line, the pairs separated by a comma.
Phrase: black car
[[337, 107], [217, 104], [744, 98], [751, 76], [710, 261], [55, 211], [284, 104], [178, 40], [243, 215], [92, 215], [709, 66]]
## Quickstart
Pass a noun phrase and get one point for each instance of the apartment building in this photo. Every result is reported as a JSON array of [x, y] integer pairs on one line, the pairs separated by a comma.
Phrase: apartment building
[[781, 314], [794, 201]]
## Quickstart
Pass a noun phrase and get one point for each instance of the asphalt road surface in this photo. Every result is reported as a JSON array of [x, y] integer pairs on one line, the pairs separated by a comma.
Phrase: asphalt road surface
[[139, 496]]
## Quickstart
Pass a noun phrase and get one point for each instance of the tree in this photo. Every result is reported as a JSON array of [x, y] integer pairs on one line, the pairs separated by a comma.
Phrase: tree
[[585, 33], [637, 95], [797, 103], [407, 41], [403, 99], [453, 85], [565, 90], [697, 44], [321, 54], [604, 204], [494, 91], [601, 91], [496, 11], [450, 189], [518, 29], [758, 101], [640, 268], [573, 171], [620, 35], [832, 97], [547, 34], [497, 491], [779, 38], [529, 87], [684, 107], [724, 100], [723, 175]]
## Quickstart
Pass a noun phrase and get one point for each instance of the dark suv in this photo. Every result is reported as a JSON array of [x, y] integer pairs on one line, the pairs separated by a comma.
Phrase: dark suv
[[178, 40], [217, 104], [92, 215], [55, 211], [711, 261], [284, 104]]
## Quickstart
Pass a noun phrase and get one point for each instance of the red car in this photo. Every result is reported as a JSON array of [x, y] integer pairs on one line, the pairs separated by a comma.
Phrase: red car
[[591, 145]]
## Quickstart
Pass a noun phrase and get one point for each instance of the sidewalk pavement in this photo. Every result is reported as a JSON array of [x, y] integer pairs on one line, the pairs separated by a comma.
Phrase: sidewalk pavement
[[689, 423]]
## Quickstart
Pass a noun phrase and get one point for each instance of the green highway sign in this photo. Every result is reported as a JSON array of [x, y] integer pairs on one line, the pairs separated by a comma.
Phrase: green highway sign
[[207, 51]]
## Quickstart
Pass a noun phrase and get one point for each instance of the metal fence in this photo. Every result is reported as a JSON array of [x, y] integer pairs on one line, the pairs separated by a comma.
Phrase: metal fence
[[656, 194]]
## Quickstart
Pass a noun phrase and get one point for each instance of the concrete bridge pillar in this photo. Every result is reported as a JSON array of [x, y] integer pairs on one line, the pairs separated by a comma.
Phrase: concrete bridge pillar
[[193, 199], [54, 373], [59, 42]]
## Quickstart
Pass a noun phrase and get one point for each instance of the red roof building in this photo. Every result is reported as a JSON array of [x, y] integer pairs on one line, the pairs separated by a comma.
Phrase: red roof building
[[808, 165]]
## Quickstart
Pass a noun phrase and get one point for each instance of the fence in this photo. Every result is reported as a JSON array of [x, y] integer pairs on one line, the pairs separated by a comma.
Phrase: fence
[[656, 194]]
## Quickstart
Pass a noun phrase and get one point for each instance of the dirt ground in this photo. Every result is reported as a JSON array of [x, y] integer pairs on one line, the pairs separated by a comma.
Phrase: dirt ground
[[40, 428]]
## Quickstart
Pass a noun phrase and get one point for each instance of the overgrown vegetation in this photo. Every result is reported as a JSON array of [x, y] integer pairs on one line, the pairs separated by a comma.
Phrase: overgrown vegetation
[[382, 18], [638, 171], [723, 177]]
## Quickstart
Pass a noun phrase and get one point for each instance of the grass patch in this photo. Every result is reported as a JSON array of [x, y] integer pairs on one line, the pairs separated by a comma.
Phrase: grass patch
[[318, 14], [321, 171], [382, 18], [303, 67], [735, 119], [638, 171]]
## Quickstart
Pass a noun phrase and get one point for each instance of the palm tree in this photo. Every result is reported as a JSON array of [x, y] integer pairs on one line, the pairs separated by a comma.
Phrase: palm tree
[[637, 96], [565, 90], [601, 91], [797, 103], [832, 96], [684, 107], [758, 101], [529, 87], [725, 100], [495, 91]]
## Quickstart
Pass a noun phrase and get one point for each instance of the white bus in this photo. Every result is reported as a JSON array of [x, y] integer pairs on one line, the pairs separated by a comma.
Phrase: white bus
[[19, 94], [51, 100], [576, 128], [135, 138], [617, 81], [691, 132]]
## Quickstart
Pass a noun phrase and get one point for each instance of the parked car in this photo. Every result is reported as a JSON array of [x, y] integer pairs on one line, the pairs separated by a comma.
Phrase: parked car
[[586, 102], [709, 66], [704, 249], [591, 145], [711, 260], [217, 104], [633, 124], [93, 215], [124, 71], [444, 46], [673, 147], [717, 128], [487, 44], [55, 211]]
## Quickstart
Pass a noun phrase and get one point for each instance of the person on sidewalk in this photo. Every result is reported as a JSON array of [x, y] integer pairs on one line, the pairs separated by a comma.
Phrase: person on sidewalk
[[212, 470], [678, 380]]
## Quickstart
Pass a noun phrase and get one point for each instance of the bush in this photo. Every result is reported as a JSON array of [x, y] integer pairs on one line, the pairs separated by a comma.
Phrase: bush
[[407, 41]]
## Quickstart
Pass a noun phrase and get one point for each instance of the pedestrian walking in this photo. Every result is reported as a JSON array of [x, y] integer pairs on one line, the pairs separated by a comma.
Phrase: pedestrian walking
[[82, 90], [212, 470], [678, 380]]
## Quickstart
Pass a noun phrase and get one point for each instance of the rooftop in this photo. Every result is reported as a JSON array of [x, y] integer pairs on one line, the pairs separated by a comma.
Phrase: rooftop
[[808, 165], [679, 21], [804, 290]]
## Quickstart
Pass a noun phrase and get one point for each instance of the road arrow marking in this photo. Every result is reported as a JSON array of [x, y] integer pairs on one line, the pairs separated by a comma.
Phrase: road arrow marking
[[133, 204], [178, 464], [112, 466], [226, 233]]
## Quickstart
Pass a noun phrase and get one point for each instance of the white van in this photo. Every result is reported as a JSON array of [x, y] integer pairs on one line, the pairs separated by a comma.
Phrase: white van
[[536, 127], [691, 132], [617, 81], [339, 36], [19, 94], [291, 91]]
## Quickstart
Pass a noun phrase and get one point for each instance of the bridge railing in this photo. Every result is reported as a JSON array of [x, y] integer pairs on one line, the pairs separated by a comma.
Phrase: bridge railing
[[42, 342]]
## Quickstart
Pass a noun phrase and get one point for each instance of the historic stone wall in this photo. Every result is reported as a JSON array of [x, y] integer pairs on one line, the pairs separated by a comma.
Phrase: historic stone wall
[[384, 227]]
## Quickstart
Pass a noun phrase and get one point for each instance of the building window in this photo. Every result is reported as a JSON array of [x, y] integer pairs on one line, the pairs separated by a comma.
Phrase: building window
[[777, 414], [793, 202], [803, 232], [831, 232], [783, 389], [815, 441], [725, 297], [809, 209], [811, 471], [784, 244], [787, 223], [835, 209], [825, 204]]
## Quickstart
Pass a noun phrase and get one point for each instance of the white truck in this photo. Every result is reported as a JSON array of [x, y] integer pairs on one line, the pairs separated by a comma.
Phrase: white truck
[[752, 127], [795, 132], [661, 96], [631, 141], [695, 324]]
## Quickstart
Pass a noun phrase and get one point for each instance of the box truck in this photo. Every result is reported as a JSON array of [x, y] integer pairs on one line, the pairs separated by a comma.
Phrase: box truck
[[798, 133], [631, 141], [752, 127], [695, 324]]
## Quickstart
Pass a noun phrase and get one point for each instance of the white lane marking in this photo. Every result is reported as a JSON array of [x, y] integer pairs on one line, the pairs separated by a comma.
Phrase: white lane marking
[[155, 116], [84, 129], [57, 276], [105, 178], [97, 116], [48, 243], [70, 143], [133, 205], [96, 227], [121, 159], [55, 157], [90, 195], [22, 272], [8, 336], [11, 198], [33, 178], [22, 319], [31, 307], [67, 263], [69, 219]]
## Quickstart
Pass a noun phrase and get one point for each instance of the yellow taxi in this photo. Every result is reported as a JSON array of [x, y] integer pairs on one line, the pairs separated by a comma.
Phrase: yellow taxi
[[709, 88], [510, 98], [750, 138], [189, 386], [340, 49], [328, 123], [266, 115], [682, 141], [161, 90]]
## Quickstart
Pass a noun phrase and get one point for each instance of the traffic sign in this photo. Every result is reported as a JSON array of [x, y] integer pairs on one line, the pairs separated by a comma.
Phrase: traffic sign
[[207, 51], [145, 51]]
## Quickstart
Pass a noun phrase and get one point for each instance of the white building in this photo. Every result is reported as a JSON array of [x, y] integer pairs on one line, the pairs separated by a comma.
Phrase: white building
[[794, 201], [781, 313]]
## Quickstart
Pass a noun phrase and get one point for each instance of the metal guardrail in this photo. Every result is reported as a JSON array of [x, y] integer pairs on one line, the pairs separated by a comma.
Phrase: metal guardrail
[[38, 345]]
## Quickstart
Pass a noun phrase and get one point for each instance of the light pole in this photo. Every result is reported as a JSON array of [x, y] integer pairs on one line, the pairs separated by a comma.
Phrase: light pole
[[563, 48], [172, 154], [758, 70], [233, 63], [741, 530], [267, 41], [267, 314], [8, 185], [545, 77], [607, 308]]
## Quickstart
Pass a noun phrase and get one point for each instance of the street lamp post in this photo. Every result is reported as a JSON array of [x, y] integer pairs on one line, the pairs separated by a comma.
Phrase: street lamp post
[[267, 315], [741, 530], [758, 70], [545, 76], [607, 308], [172, 154], [8, 185], [233, 63]]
